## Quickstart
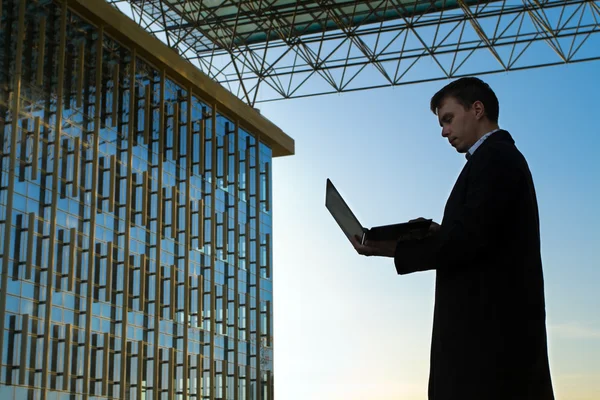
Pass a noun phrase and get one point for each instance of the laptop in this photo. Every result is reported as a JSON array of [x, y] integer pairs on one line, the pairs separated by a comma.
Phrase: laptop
[[351, 227]]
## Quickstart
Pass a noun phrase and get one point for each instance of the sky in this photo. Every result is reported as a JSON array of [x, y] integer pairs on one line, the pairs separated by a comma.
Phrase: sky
[[348, 327]]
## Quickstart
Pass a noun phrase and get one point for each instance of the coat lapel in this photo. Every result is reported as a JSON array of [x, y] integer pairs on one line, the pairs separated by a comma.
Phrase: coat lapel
[[458, 191]]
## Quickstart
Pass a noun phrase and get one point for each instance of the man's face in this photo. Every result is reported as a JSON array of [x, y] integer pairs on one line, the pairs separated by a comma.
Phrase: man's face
[[458, 124]]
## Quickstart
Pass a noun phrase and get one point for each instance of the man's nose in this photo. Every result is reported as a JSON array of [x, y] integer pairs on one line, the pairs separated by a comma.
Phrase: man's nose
[[445, 132]]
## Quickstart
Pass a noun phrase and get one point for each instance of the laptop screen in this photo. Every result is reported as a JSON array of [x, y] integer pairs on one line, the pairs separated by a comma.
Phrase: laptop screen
[[341, 212]]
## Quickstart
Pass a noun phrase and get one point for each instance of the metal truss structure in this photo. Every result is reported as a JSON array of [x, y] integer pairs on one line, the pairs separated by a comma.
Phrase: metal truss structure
[[263, 50]]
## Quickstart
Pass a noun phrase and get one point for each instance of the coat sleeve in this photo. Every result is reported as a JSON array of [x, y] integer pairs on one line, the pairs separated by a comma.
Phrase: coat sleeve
[[467, 233]]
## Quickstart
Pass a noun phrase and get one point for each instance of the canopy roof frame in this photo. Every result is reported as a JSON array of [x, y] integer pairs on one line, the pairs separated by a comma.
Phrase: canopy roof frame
[[272, 49]]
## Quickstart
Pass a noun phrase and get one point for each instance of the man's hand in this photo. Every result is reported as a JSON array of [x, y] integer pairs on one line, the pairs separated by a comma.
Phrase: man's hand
[[381, 248], [387, 248], [433, 228]]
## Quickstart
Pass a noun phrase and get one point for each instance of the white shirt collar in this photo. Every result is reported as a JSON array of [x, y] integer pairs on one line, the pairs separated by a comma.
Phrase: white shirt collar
[[478, 143]]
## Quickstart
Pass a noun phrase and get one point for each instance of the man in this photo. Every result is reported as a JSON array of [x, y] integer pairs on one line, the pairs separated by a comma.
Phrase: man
[[489, 329]]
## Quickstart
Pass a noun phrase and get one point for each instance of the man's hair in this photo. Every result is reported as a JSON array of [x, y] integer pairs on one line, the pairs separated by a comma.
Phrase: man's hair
[[467, 91]]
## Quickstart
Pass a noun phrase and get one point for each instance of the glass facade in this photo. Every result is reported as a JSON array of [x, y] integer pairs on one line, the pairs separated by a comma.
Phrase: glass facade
[[135, 224]]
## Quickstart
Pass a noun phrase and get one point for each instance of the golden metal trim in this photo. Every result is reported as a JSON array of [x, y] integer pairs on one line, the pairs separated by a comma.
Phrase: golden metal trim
[[109, 272], [72, 260], [63, 154], [30, 245], [41, 52], [226, 155], [80, 74], [35, 150], [22, 159], [269, 311], [202, 140], [258, 269], [236, 163], [175, 150], [213, 248], [171, 385], [140, 369], [147, 111], [142, 299], [248, 240], [173, 290], [190, 289], [268, 255], [267, 186], [76, 161], [163, 224], [200, 223], [199, 371], [112, 183], [127, 251], [247, 172], [145, 198], [133, 198], [105, 364], [225, 304], [226, 230], [270, 388], [159, 222], [24, 341], [200, 299], [54, 202], [236, 251], [248, 382], [224, 375], [187, 248], [248, 312], [67, 357], [115, 95], [174, 212]]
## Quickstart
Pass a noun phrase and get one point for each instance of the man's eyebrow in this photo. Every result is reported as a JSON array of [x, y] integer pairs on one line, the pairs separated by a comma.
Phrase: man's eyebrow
[[444, 117]]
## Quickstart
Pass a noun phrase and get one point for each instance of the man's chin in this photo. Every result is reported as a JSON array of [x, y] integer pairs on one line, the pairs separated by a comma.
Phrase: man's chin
[[458, 147]]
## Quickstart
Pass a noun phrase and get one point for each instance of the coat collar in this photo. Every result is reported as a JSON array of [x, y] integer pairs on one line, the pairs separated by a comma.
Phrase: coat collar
[[498, 136]]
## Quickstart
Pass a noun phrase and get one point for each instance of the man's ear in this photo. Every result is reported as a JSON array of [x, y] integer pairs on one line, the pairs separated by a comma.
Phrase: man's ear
[[479, 109]]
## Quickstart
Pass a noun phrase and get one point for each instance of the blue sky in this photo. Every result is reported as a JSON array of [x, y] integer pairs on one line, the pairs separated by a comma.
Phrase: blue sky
[[347, 327]]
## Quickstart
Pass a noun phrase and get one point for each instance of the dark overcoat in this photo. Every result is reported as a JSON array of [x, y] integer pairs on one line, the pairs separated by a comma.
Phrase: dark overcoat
[[489, 325]]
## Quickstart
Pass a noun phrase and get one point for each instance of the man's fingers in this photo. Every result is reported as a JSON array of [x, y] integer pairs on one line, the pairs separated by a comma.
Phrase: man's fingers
[[359, 248], [362, 249], [355, 242]]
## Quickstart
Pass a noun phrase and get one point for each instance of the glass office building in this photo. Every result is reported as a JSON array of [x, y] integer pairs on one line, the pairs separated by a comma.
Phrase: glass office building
[[135, 216]]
